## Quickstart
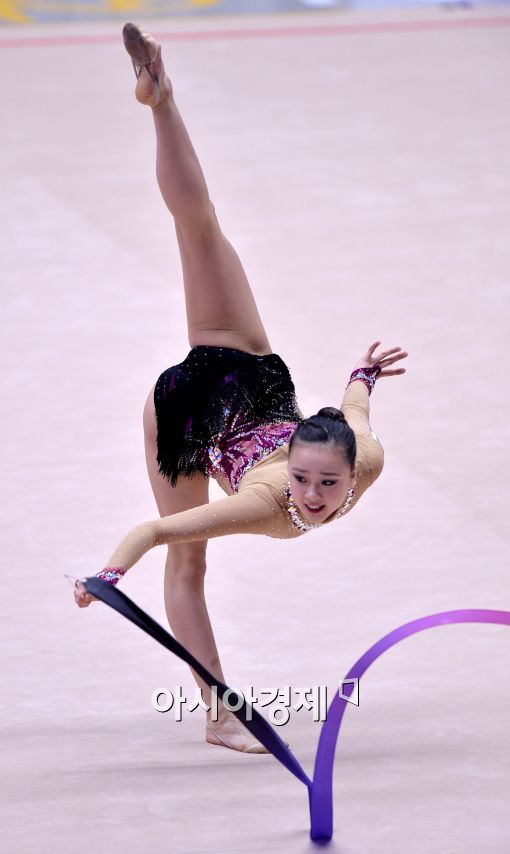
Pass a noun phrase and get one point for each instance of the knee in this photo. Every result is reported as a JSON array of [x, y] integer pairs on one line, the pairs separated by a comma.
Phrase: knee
[[197, 224], [186, 565]]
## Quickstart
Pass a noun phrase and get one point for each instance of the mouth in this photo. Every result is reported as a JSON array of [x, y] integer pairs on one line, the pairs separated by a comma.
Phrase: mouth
[[315, 509]]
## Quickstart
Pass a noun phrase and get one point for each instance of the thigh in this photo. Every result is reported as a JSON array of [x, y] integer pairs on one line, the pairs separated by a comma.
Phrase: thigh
[[188, 492], [220, 305]]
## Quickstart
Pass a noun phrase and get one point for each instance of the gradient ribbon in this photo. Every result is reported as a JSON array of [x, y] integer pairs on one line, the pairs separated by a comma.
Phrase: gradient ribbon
[[320, 789]]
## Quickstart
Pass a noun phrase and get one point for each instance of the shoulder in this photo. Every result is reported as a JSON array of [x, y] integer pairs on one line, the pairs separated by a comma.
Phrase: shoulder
[[269, 480]]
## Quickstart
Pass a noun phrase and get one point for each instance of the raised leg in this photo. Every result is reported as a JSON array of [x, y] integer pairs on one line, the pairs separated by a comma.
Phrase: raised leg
[[220, 306]]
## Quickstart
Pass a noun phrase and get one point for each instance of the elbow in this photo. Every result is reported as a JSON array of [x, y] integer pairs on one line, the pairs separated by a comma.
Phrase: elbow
[[376, 462], [371, 462], [148, 535]]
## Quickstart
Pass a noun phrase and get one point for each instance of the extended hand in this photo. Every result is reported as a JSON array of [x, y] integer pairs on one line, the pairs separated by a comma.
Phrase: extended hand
[[81, 597], [384, 359]]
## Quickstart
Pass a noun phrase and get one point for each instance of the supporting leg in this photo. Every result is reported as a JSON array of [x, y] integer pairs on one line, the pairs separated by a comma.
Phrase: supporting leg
[[185, 604]]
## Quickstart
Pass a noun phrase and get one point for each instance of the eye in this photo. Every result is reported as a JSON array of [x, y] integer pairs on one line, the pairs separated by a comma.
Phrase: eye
[[328, 482], [299, 478]]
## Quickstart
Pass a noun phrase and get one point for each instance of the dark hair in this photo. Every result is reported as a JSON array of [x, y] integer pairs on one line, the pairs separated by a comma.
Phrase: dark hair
[[329, 425]]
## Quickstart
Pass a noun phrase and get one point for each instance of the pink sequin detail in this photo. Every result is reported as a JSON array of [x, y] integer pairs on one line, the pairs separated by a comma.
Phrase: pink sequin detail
[[233, 457], [367, 376], [112, 574]]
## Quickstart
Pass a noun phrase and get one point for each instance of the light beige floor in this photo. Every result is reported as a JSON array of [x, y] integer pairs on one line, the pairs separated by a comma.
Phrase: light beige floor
[[364, 179]]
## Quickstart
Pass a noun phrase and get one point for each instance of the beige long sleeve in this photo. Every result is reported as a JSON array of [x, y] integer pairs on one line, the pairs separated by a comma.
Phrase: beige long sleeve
[[369, 452], [253, 510]]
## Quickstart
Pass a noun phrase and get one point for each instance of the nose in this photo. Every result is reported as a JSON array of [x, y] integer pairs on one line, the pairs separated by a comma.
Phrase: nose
[[312, 494]]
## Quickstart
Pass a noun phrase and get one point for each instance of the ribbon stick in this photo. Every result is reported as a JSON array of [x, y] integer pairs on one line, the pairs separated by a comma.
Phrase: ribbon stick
[[320, 789]]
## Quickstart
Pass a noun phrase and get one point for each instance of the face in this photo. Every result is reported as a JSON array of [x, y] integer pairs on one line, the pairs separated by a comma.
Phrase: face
[[320, 478]]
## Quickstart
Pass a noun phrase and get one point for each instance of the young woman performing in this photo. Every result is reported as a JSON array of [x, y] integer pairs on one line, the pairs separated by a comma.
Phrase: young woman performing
[[229, 411]]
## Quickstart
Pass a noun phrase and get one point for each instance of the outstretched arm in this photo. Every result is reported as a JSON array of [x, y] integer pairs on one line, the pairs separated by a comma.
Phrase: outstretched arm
[[245, 513], [356, 408]]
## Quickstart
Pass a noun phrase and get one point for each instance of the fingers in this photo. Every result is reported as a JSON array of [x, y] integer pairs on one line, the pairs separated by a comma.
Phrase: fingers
[[390, 360], [384, 356], [389, 352], [81, 597], [392, 373], [373, 347]]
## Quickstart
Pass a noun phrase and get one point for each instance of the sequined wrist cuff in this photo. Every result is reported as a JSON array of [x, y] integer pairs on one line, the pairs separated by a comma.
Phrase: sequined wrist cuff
[[366, 375], [112, 574]]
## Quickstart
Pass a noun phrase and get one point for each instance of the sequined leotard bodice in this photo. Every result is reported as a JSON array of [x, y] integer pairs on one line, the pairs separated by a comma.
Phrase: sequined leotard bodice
[[231, 457]]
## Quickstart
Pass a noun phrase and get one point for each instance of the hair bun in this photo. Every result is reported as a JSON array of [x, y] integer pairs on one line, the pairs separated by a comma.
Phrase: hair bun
[[328, 425], [331, 412]]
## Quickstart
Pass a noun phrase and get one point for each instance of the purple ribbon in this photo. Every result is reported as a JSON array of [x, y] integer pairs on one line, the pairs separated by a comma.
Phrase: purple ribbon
[[320, 789]]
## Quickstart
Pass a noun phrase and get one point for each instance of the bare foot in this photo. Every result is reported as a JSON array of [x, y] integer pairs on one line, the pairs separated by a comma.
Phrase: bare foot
[[153, 85], [229, 732]]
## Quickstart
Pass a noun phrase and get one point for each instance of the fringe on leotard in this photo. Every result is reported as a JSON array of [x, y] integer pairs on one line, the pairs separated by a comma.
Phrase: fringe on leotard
[[215, 393]]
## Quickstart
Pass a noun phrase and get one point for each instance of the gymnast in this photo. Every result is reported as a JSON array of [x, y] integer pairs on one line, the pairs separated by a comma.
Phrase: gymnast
[[229, 412]]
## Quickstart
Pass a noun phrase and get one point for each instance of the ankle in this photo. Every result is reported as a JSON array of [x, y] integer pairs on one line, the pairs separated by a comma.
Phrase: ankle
[[222, 717], [165, 103], [153, 87]]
